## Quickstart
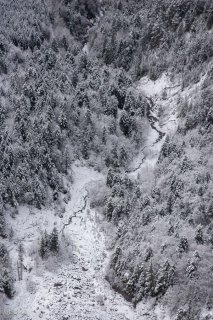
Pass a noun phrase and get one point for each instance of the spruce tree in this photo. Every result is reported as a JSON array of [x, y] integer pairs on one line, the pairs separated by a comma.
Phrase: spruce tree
[[21, 252], [42, 249], [104, 136], [3, 233], [6, 282], [149, 283], [6, 279], [110, 179], [199, 235], [54, 242], [126, 124]]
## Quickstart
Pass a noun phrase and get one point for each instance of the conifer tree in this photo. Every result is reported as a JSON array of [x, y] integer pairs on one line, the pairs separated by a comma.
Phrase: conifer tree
[[3, 233], [104, 136], [6, 278], [63, 121], [110, 178], [42, 249], [7, 283], [21, 252], [126, 124], [54, 242], [199, 235]]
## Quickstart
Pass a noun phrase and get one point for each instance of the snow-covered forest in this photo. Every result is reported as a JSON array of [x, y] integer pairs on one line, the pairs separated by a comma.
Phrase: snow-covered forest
[[106, 159]]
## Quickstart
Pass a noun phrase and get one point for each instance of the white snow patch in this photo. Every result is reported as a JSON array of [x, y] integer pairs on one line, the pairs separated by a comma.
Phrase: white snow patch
[[86, 49], [163, 94], [83, 292], [157, 88]]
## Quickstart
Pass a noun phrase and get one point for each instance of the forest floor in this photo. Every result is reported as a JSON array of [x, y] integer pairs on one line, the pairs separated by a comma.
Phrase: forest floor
[[73, 285]]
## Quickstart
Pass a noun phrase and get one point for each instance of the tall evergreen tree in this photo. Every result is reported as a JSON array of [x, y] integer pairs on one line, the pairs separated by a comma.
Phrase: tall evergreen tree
[[54, 241]]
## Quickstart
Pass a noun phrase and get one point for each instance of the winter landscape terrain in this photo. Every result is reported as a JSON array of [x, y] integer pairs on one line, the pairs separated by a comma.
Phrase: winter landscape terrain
[[106, 148]]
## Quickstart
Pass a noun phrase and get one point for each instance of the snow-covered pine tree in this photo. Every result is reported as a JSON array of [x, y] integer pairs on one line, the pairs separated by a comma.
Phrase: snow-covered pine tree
[[42, 248], [54, 241]]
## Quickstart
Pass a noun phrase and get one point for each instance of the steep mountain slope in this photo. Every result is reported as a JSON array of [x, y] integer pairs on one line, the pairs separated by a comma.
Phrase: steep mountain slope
[[164, 244], [123, 89], [164, 247]]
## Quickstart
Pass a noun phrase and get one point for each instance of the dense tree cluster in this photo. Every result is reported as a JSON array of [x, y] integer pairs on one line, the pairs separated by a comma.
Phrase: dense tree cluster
[[57, 104], [174, 221], [61, 104], [6, 276], [68, 92], [149, 37], [78, 16], [49, 243]]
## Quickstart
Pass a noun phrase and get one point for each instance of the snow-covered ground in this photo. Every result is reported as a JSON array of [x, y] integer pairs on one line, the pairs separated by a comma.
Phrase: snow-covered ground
[[163, 94], [73, 286]]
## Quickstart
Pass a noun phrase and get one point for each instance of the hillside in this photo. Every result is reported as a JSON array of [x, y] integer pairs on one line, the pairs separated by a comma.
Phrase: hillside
[[106, 193]]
